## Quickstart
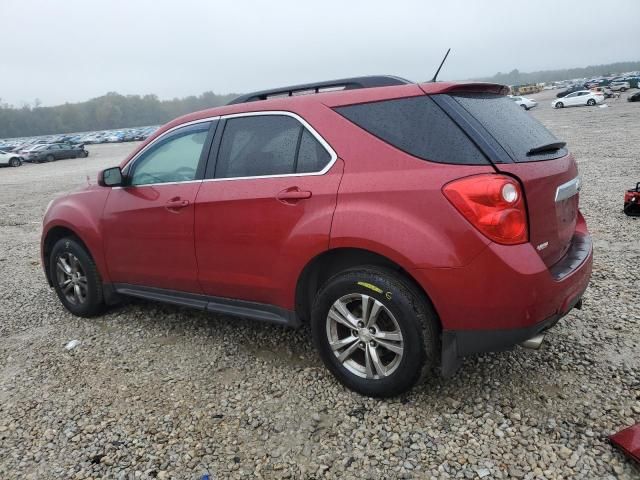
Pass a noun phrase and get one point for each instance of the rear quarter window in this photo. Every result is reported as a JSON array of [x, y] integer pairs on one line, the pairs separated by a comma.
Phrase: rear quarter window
[[513, 128], [417, 126]]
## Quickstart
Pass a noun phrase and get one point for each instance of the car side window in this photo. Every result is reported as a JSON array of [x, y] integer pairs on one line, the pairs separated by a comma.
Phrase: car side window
[[312, 156], [258, 145], [173, 158]]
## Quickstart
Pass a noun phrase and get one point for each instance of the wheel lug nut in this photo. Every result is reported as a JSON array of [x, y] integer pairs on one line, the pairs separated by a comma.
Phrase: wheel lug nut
[[361, 344], [372, 343], [372, 330], [360, 324], [354, 333]]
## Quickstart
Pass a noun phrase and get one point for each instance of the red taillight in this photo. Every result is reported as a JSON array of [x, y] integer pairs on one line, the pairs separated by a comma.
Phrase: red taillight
[[494, 204]]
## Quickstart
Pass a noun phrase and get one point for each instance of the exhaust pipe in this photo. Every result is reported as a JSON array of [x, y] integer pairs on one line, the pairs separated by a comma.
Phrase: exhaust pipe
[[534, 342]]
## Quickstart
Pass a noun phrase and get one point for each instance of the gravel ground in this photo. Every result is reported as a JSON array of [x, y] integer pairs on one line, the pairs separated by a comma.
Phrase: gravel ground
[[155, 391]]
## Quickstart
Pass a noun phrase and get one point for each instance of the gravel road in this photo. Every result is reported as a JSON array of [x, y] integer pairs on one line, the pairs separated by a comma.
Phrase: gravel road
[[155, 391]]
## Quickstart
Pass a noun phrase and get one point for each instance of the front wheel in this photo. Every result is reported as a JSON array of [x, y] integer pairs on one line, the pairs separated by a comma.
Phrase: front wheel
[[75, 278], [591, 102], [559, 105], [374, 331], [85, 154], [50, 158]]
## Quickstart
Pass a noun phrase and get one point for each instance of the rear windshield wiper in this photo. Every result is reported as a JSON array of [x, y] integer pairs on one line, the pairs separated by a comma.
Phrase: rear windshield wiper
[[547, 147]]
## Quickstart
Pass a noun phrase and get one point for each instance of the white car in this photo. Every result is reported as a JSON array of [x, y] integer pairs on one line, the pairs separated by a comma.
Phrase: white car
[[619, 86], [581, 97], [10, 159], [524, 102]]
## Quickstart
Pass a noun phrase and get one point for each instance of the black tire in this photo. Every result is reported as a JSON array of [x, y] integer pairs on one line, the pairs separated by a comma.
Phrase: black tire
[[559, 105], [591, 102], [85, 154], [524, 106], [413, 315], [15, 162], [93, 303], [623, 89], [50, 158]]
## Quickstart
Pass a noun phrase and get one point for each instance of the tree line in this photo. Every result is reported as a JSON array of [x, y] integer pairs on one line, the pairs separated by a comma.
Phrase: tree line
[[109, 111], [516, 77], [113, 110]]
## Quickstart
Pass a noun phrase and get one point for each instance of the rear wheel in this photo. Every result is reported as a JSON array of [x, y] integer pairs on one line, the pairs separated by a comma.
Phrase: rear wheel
[[75, 278], [559, 105], [374, 331], [15, 162], [50, 158], [623, 89], [85, 154], [591, 102]]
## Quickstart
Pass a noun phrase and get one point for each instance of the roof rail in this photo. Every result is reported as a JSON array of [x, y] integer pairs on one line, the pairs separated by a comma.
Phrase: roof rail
[[318, 87]]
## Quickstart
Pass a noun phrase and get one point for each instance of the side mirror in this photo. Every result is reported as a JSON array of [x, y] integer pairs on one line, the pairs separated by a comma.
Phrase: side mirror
[[111, 177]]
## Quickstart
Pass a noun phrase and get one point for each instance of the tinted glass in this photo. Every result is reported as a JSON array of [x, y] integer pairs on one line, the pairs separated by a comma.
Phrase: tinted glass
[[175, 158], [514, 129], [258, 145], [312, 156], [417, 126]]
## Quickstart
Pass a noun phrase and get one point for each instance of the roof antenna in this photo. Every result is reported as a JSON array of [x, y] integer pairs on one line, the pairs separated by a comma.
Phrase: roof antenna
[[442, 63]]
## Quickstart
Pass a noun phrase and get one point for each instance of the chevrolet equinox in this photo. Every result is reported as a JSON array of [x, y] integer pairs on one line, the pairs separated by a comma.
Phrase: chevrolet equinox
[[408, 224]]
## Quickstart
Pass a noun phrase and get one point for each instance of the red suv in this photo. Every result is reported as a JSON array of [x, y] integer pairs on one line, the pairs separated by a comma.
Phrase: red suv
[[408, 224]]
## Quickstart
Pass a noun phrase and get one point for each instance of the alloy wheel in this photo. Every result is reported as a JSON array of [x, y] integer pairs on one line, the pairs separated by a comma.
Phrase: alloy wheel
[[71, 278], [364, 336]]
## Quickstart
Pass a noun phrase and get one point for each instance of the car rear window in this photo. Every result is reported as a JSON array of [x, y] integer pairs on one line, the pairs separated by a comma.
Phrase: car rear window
[[513, 128], [417, 126]]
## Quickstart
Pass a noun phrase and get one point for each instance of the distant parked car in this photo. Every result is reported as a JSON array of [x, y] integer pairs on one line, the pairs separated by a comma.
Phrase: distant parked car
[[606, 91], [115, 138], [596, 82], [568, 90], [27, 150], [619, 86], [583, 97], [634, 98], [632, 80], [9, 158], [524, 102], [56, 151]]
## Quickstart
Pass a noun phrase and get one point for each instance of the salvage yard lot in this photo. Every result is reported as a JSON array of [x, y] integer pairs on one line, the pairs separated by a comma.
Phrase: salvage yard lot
[[155, 391]]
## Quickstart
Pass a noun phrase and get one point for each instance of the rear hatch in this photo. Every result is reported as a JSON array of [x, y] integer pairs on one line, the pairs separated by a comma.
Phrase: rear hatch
[[524, 148]]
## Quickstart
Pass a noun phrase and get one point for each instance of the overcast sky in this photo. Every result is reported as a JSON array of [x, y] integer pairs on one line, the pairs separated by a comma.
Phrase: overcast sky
[[73, 50]]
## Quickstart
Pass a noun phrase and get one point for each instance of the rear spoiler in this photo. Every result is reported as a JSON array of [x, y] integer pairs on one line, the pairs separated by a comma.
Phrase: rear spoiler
[[467, 87]]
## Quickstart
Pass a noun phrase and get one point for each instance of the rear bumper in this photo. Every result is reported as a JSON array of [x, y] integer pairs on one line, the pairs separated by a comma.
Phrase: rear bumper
[[505, 296], [457, 344]]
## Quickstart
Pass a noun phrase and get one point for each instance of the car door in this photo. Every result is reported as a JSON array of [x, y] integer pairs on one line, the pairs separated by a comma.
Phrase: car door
[[148, 223], [584, 97], [50, 151], [571, 99], [265, 207], [62, 151]]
